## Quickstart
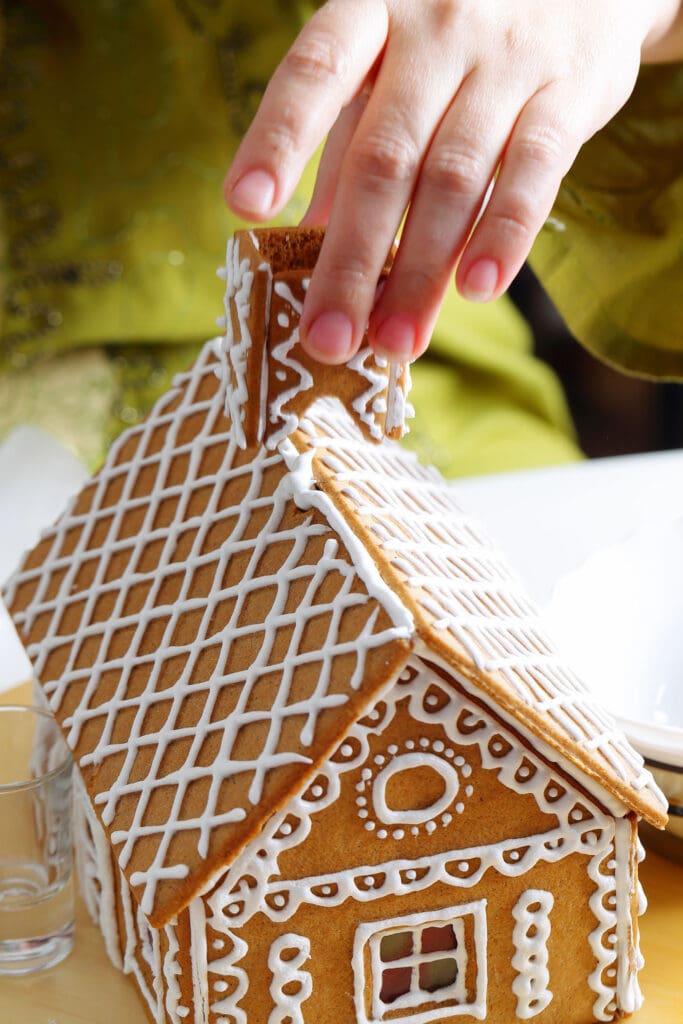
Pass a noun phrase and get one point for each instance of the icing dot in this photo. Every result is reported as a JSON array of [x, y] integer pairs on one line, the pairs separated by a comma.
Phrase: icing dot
[[611, 863], [430, 827], [611, 973], [279, 900], [398, 833], [514, 855], [553, 793], [446, 819], [234, 908], [361, 801], [612, 939], [393, 749], [463, 865], [285, 829], [370, 826], [326, 890], [414, 831], [424, 742], [305, 283], [362, 812], [283, 321], [379, 759], [369, 881], [220, 985], [281, 375], [466, 771], [366, 774], [346, 750], [410, 875], [317, 791], [382, 834], [183, 1011], [575, 815], [497, 747], [438, 746], [410, 745], [218, 944], [431, 700], [360, 787], [451, 753], [524, 772], [469, 790], [460, 807]]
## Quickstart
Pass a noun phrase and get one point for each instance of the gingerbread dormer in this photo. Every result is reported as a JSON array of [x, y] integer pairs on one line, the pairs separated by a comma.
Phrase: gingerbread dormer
[[267, 273]]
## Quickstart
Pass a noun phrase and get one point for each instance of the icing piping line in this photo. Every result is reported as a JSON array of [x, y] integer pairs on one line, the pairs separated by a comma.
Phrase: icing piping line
[[629, 995], [307, 495]]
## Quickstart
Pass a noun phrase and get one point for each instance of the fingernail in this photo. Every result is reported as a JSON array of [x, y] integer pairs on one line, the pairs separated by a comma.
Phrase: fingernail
[[330, 337], [254, 192], [481, 281], [395, 338]]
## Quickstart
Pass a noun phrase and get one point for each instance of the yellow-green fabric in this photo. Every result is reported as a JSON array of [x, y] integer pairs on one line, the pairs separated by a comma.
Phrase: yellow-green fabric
[[612, 254], [117, 122]]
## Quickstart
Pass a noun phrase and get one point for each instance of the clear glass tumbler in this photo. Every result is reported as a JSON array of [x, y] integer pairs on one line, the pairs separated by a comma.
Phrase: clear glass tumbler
[[36, 885]]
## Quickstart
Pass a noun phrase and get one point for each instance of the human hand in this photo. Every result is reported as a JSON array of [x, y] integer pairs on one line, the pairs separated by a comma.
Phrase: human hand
[[426, 103]]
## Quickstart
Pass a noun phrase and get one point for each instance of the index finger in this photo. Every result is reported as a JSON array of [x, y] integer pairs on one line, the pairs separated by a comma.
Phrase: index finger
[[324, 69]]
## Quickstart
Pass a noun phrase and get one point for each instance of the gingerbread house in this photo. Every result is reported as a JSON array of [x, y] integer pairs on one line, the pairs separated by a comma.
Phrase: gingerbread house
[[333, 768]]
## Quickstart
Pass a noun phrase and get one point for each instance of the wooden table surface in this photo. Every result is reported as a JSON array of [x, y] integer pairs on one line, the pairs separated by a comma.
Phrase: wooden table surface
[[86, 989]]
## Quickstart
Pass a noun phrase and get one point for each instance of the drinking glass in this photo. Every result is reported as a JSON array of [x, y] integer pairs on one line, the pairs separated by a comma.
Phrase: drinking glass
[[36, 886]]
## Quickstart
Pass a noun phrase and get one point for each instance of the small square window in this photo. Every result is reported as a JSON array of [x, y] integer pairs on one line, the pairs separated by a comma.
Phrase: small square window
[[395, 945], [435, 938], [424, 967]]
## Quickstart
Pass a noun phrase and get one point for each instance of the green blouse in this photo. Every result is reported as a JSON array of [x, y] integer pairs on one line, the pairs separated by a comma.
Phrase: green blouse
[[117, 122]]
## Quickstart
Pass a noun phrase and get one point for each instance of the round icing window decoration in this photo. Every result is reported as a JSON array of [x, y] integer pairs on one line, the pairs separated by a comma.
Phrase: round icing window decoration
[[411, 764]]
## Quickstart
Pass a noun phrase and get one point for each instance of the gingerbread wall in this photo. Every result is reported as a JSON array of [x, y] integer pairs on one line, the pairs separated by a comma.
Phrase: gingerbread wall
[[480, 832]]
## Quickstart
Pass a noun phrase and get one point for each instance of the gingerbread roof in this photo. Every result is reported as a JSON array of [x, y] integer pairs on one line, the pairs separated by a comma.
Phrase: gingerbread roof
[[208, 621], [467, 604]]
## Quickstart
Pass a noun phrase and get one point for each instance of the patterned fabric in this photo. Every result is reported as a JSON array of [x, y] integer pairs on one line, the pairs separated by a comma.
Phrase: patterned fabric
[[611, 255], [111, 242]]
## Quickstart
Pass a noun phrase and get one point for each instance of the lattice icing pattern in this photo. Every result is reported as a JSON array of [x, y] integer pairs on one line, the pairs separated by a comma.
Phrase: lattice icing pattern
[[201, 639], [470, 604]]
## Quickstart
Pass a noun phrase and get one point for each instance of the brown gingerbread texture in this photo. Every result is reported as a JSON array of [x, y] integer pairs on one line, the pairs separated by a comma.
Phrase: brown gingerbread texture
[[331, 765]]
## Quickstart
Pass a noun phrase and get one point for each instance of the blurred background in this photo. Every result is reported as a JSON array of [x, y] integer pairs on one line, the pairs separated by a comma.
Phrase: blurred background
[[615, 414]]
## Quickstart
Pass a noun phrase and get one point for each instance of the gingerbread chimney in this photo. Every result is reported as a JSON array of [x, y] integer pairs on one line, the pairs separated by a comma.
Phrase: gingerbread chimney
[[270, 380]]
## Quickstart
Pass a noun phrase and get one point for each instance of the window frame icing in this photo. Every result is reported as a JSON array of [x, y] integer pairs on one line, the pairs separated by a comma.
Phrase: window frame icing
[[366, 946]]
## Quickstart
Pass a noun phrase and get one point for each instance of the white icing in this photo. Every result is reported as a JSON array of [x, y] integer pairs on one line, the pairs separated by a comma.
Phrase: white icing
[[225, 967], [287, 1008], [629, 995], [282, 354], [134, 941], [171, 971], [239, 280], [452, 997], [530, 938], [199, 962], [417, 816], [307, 495], [365, 365], [602, 980], [398, 409]]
